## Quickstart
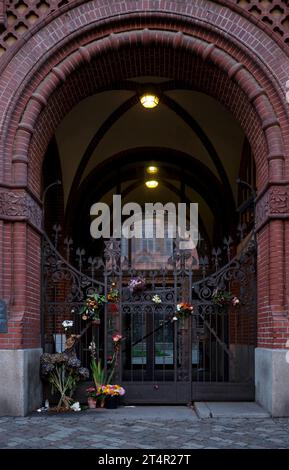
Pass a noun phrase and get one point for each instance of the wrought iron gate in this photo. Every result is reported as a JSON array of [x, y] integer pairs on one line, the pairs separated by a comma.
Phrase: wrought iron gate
[[209, 356]]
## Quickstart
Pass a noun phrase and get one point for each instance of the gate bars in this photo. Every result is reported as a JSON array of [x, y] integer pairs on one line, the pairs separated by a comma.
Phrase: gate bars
[[209, 356]]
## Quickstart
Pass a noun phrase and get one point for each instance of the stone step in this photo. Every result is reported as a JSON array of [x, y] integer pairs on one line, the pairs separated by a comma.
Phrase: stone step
[[230, 410]]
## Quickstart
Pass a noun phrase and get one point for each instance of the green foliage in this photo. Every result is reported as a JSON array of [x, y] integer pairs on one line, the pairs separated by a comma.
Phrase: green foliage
[[98, 373]]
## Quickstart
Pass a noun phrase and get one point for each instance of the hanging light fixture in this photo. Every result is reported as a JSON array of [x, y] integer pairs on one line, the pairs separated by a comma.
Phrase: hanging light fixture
[[152, 170], [149, 100], [152, 184]]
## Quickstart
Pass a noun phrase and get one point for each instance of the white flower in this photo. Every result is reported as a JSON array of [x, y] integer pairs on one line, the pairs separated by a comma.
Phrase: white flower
[[178, 307], [67, 324], [156, 299], [92, 346], [76, 406], [175, 319]]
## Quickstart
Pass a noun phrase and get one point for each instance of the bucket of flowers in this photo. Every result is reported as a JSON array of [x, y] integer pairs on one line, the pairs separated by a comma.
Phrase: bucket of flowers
[[222, 297], [112, 394], [136, 284], [92, 307]]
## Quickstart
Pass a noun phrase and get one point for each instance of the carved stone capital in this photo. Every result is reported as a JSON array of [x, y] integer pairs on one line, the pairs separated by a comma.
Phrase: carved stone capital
[[273, 204], [20, 205]]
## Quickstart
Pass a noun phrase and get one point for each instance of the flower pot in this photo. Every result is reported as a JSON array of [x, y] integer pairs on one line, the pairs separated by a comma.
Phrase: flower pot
[[95, 322], [91, 402], [112, 403]]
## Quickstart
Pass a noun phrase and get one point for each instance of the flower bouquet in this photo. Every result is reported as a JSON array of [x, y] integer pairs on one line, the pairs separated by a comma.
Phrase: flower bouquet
[[136, 284], [113, 294], [63, 372], [92, 307], [156, 299], [223, 297], [67, 324], [184, 310]]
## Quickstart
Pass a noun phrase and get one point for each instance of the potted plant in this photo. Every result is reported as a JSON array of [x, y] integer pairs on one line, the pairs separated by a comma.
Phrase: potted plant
[[92, 395], [92, 307]]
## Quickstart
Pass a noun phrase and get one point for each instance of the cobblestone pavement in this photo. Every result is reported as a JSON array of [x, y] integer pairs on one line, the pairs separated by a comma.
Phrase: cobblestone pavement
[[90, 429]]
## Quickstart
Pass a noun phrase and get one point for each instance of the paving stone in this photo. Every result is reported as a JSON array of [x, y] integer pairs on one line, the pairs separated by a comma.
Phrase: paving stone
[[141, 431]]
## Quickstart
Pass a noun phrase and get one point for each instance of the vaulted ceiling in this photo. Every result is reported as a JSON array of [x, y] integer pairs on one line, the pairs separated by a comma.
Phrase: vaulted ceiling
[[190, 135]]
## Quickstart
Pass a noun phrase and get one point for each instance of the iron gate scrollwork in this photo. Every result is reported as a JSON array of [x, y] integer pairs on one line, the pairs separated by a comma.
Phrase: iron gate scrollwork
[[163, 360]]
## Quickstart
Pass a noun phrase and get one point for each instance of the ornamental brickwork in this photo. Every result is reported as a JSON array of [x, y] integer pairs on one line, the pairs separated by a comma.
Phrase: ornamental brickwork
[[17, 17]]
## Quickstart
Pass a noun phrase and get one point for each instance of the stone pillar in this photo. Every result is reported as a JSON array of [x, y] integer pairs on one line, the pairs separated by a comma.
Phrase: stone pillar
[[20, 287], [20, 385]]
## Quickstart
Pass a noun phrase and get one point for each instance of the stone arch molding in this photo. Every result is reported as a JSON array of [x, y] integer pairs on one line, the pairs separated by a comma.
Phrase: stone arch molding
[[73, 38]]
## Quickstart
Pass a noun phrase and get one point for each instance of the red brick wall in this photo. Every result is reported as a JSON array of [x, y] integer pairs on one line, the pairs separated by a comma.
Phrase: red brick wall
[[42, 77], [21, 287]]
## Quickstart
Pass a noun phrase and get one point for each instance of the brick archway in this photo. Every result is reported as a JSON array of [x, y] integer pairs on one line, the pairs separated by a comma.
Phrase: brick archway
[[87, 47]]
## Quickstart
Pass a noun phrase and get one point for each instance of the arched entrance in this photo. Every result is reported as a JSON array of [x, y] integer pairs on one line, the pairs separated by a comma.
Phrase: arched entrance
[[162, 360], [111, 44]]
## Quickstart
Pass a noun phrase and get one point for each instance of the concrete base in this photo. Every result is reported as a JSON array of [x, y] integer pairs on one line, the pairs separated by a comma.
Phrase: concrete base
[[20, 384], [272, 380]]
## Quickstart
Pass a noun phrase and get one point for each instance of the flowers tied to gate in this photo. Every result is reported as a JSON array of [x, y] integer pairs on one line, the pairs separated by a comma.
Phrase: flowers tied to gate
[[222, 297], [184, 310], [113, 294], [116, 338], [67, 324], [136, 284], [156, 299], [92, 307]]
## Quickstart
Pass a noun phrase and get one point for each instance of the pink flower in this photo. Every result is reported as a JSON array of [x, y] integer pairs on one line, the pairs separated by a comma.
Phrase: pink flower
[[235, 301], [116, 338]]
